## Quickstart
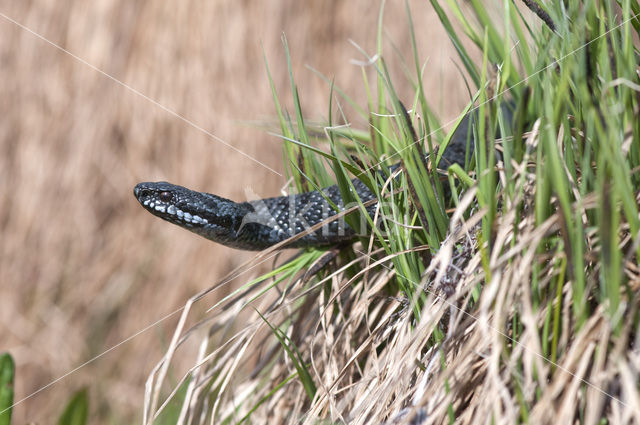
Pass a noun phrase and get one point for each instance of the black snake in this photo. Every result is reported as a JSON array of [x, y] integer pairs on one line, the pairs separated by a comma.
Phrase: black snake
[[256, 225]]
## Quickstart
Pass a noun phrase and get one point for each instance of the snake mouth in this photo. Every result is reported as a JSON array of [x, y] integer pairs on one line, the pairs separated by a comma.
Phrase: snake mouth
[[162, 200]]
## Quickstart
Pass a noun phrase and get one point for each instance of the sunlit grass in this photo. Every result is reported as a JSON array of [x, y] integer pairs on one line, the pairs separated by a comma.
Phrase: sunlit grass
[[512, 294]]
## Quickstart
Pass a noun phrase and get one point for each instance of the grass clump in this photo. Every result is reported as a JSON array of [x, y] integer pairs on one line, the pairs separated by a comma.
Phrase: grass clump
[[511, 296]]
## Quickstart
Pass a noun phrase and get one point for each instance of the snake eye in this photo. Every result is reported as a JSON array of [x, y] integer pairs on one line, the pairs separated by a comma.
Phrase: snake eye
[[165, 196]]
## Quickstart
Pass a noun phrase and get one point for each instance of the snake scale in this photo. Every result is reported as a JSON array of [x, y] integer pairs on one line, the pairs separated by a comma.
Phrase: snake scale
[[259, 224]]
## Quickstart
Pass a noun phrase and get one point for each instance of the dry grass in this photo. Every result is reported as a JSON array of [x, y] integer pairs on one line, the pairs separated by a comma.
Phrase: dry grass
[[82, 266], [366, 350]]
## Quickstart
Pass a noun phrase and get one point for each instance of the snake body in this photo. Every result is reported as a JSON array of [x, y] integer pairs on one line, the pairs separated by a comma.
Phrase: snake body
[[252, 225], [256, 225]]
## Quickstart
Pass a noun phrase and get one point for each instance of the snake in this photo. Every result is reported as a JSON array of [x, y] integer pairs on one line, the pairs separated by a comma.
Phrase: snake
[[259, 224]]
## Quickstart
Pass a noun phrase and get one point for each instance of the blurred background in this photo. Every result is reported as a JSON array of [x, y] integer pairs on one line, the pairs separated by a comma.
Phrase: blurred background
[[82, 266]]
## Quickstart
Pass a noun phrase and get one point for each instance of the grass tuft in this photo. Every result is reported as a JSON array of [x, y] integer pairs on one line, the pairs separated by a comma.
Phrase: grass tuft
[[512, 299]]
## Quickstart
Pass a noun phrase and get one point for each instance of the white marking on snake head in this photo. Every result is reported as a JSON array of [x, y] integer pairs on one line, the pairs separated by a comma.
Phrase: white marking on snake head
[[198, 219], [172, 209]]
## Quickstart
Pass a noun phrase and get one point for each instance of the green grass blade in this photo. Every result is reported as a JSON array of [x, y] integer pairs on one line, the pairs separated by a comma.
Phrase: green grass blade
[[7, 375], [77, 410], [296, 359]]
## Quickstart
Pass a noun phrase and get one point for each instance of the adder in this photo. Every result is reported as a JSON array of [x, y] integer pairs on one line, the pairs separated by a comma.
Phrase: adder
[[257, 225]]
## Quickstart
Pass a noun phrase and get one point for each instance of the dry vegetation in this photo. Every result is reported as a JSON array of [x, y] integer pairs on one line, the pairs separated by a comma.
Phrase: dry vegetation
[[82, 266], [525, 311], [366, 351]]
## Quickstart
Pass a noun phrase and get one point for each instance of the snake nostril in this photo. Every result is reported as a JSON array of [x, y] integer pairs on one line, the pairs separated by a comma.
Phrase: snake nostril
[[142, 193]]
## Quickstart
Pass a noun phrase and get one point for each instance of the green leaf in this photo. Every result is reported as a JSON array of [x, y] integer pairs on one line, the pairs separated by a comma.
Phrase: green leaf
[[77, 410], [7, 373]]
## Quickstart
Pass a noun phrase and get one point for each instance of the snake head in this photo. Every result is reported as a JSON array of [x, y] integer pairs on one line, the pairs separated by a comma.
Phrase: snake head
[[173, 203], [208, 215]]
